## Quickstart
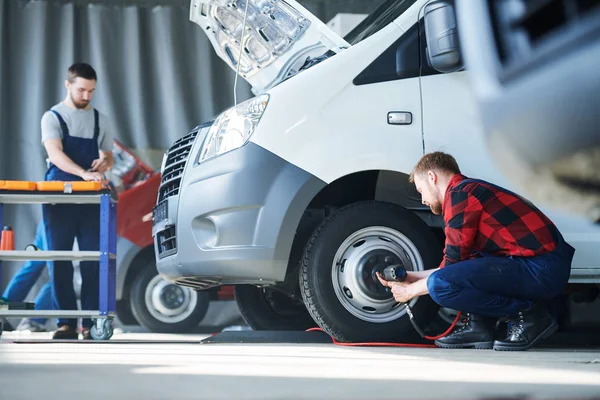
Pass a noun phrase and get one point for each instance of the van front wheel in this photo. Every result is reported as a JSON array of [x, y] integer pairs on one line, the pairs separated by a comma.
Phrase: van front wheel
[[164, 307], [337, 275]]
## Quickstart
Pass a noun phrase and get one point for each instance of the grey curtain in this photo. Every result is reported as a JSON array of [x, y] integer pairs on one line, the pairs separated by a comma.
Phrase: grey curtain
[[158, 77]]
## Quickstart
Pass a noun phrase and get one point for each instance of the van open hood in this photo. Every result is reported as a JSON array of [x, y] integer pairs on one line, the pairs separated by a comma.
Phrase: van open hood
[[280, 36]]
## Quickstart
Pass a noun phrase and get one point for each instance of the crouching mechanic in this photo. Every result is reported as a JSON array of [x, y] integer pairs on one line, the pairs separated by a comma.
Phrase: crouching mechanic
[[79, 143], [503, 258]]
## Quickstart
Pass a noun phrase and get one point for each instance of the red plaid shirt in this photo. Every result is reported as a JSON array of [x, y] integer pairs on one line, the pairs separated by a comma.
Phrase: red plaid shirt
[[481, 217]]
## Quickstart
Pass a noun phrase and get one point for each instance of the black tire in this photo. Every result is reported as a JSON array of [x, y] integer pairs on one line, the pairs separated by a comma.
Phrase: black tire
[[124, 313], [267, 309], [152, 318], [381, 320]]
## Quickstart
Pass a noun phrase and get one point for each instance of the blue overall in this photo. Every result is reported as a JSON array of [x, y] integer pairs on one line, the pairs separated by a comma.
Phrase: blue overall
[[496, 286], [65, 222]]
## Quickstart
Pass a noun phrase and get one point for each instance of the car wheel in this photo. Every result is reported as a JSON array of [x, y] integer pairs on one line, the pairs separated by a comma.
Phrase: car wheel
[[165, 307], [123, 309], [266, 309], [338, 280]]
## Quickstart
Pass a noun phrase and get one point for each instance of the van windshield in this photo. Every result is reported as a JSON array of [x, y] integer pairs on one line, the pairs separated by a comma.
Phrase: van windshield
[[378, 19]]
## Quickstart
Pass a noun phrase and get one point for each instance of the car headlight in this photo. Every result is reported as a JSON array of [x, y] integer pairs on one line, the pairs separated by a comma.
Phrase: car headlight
[[233, 128]]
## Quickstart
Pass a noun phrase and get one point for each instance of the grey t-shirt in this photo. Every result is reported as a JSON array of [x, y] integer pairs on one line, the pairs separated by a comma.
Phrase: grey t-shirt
[[80, 124]]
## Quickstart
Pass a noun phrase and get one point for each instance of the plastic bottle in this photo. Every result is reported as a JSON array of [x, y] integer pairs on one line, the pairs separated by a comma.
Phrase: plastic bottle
[[7, 241]]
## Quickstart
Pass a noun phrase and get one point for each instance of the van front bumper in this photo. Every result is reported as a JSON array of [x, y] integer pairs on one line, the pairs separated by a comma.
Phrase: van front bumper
[[234, 219]]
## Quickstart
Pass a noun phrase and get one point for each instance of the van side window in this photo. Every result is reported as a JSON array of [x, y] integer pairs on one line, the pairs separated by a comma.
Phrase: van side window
[[402, 60]]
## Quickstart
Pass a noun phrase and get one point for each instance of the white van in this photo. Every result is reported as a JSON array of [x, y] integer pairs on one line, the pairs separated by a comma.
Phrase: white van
[[299, 194]]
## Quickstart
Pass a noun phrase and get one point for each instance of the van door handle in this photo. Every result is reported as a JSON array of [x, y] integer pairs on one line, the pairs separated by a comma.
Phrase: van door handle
[[399, 118]]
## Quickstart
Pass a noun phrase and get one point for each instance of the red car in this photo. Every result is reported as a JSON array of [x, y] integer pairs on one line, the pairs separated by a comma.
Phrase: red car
[[142, 295]]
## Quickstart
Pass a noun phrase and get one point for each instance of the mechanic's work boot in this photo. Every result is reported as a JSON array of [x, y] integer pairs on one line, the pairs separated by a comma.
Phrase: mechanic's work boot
[[7, 327], [66, 332], [85, 332], [527, 328], [477, 332]]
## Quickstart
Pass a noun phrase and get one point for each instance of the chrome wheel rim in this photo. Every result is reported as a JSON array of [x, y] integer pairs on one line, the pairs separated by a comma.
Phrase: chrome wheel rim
[[353, 272], [169, 303]]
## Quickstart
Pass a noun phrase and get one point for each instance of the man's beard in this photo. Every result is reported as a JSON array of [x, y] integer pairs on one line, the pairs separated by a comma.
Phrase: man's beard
[[436, 208], [79, 104]]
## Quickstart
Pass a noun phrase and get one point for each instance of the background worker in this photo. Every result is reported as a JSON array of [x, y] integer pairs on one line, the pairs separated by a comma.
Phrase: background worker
[[502, 258], [79, 143], [20, 285]]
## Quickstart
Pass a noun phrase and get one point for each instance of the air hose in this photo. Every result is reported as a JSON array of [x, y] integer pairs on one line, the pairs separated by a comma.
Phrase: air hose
[[394, 344], [397, 273]]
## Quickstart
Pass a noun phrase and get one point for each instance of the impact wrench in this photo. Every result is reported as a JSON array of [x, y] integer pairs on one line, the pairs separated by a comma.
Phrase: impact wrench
[[397, 273]]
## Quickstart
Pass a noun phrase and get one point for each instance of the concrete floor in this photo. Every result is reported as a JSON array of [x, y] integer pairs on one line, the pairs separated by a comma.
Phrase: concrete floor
[[172, 369]]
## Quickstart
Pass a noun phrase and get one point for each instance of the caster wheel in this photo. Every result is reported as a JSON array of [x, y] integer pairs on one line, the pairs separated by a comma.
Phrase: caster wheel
[[101, 330]]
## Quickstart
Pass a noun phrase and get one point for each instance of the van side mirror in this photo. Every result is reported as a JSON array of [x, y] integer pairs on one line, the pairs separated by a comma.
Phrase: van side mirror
[[443, 53]]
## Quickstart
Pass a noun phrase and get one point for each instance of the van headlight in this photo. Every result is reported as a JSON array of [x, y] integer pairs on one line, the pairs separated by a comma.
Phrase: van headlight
[[233, 128]]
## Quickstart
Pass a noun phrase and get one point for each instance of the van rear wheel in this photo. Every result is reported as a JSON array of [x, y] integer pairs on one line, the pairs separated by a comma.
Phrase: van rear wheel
[[337, 275]]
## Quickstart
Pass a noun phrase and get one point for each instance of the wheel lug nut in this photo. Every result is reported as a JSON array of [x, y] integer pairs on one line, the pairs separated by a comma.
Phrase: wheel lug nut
[[348, 292]]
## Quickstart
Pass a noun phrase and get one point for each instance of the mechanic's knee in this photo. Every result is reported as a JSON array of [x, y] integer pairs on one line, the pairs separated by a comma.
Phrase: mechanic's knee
[[440, 290]]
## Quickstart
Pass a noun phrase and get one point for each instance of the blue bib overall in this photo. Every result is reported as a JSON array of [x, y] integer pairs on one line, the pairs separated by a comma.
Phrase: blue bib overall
[[65, 222], [496, 286]]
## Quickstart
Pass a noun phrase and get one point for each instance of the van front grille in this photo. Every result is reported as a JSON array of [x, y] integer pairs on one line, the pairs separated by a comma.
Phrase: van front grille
[[176, 159]]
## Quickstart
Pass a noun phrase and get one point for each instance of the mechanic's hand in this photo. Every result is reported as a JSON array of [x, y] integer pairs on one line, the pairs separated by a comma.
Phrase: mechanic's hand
[[400, 290], [100, 165], [92, 176], [383, 281], [410, 277]]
